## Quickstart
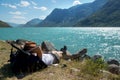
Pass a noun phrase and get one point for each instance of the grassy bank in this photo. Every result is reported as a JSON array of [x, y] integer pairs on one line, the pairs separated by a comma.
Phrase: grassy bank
[[66, 70]]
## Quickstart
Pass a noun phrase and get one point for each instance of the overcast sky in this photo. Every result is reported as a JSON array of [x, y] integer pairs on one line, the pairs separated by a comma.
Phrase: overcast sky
[[21, 11]]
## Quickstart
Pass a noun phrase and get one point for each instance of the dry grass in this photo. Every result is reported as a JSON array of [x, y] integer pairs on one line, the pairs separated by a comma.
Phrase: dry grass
[[73, 71]]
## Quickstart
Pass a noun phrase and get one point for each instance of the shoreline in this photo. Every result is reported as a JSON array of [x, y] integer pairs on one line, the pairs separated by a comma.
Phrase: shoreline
[[73, 68]]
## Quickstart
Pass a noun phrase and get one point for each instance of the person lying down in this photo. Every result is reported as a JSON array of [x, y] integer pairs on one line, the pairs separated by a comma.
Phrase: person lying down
[[51, 57], [30, 57]]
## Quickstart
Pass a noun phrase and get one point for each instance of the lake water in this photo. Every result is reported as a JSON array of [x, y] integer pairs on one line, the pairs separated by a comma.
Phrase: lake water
[[104, 41]]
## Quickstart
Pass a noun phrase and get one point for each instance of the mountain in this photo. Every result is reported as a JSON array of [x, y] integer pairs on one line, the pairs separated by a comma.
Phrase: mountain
[[3, 24], [107, 16], [13, 24], [68, 17], [32, 22]]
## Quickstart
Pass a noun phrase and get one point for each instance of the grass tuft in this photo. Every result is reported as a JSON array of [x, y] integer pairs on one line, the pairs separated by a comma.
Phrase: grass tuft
[[93, 67]]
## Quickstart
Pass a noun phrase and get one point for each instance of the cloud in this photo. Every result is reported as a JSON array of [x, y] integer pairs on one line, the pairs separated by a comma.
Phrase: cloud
[[33, 3], [16, 13], [18, 21], [18, 17], [24, 4], [9, 5], [76, 2], [40, 8]]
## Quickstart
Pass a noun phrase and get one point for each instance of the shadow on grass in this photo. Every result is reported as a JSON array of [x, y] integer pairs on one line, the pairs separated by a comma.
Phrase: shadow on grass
[[5, 72]]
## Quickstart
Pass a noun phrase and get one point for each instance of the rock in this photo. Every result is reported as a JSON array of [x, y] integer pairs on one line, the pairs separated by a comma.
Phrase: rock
[[79, 55], [96, 57], [86, 56], [105, 74], [74, 70], [113, 61], [55, 65], [51, 74], [115, 69], [47, 46], [63, 66]]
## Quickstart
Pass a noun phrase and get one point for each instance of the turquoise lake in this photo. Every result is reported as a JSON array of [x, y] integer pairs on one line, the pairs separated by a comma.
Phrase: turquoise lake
[[104, 41]]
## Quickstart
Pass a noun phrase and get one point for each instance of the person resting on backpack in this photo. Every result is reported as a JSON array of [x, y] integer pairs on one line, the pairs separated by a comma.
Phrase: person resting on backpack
[[31, 57], [51, 57]]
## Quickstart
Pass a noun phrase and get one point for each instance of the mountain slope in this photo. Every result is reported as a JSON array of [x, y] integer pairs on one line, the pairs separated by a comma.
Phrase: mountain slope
[[13, 24], [3, 24], [68, 17], [32, 22], [108, 15]]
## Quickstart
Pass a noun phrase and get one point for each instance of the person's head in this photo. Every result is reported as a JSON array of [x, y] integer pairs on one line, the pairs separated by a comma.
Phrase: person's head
[[29, 45], [33, 48]]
